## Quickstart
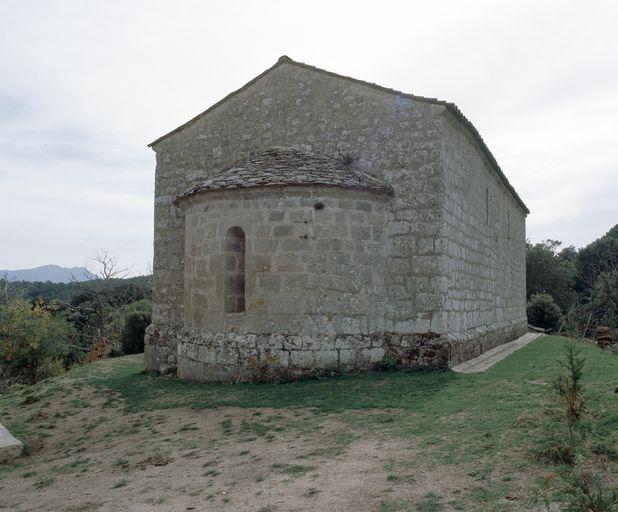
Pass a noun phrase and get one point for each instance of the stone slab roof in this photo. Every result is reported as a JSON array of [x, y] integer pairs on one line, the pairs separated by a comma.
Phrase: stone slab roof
[[284, 167]]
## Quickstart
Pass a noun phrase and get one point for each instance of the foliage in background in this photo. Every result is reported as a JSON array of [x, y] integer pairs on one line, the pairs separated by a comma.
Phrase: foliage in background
[[594, 259], [99, 314], [34, 342], [583, 283], [63, 292], [605, 299], [99, 311], [543, 312], [47, 327], [132, 338], [549, 271]]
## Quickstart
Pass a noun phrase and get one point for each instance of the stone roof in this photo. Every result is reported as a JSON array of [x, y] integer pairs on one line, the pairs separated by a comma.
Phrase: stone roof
[[284, 167], [451, 107]]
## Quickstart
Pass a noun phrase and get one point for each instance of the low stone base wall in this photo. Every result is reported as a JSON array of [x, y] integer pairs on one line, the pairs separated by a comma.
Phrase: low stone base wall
[[229, 357], [474, 342], [160, 348], [232, 357]]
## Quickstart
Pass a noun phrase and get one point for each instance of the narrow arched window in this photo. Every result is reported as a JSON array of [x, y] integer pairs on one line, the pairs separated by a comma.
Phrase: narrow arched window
[[235, 270]]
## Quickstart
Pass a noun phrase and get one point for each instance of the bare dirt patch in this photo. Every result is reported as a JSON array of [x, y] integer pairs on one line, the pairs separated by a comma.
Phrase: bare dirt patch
[[109, 436], [219, 459]]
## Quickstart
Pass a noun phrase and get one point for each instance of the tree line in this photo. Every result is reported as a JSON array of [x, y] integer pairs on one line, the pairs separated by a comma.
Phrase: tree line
[[45, 328], [573, 291]]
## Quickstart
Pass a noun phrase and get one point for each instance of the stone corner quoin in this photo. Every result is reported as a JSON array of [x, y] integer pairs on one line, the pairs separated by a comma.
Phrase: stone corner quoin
[[310, 223]]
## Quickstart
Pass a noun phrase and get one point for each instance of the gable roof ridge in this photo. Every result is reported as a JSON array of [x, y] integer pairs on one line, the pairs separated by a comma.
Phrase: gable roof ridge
[[451, 107], [285, 58], [280, 61]]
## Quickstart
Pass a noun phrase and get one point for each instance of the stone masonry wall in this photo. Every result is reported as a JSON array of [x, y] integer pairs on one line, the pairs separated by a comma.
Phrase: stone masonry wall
[[395, 137], [484, 250], [314, 260], [450, 282], [233, 357]]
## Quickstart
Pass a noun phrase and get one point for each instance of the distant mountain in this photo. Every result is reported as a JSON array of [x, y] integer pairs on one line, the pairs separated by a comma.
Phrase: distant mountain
[[53, 273]]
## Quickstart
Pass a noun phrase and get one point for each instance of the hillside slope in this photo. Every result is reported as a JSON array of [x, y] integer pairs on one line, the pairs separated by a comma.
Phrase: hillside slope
[[52, 273], [110, 437]]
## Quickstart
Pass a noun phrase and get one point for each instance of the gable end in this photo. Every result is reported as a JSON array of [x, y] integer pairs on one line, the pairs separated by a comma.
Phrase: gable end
[[451, 107]]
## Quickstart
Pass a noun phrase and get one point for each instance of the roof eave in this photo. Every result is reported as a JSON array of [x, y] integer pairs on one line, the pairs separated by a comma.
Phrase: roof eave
[[281, 60], [189, 194], [454, 109]]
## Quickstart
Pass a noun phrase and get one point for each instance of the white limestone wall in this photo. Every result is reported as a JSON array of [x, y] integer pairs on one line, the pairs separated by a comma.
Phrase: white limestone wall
[[483, 248], [314, 260], [388, 135]]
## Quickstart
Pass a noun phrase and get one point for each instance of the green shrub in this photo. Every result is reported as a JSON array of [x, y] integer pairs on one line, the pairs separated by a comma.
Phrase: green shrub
[[564, 433], [569, 386], [33, 341], [605, 299], [590, 493], [551, 271], [564, 439], [49, 367], [132, 338], [576, 319], [119, 318], [543, 312]]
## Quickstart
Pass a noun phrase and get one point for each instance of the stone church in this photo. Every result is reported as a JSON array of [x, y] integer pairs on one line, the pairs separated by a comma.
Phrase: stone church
[[311, 222]]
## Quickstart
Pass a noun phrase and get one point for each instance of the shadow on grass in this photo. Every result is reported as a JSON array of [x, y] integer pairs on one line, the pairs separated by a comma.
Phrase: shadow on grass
[[519, 382], [143, 390], [456, 418]]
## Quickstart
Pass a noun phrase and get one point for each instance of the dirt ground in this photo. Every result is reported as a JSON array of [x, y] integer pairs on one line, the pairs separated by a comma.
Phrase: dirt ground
[[110, 437], [222, 459]]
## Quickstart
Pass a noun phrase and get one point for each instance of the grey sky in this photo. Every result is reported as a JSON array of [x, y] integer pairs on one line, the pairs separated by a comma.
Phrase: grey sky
[[84, 86]]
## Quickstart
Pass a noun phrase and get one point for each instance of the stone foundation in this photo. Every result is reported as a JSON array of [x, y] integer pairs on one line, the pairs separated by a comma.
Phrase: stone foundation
[[222, 357], [476, 341], [160, 347], [233, 357]]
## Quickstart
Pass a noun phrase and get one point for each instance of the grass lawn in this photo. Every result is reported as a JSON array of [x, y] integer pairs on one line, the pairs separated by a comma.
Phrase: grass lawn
[[110, 437]]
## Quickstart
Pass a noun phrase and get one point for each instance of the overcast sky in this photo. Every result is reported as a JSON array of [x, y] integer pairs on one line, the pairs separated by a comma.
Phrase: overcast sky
[[86, 85]]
